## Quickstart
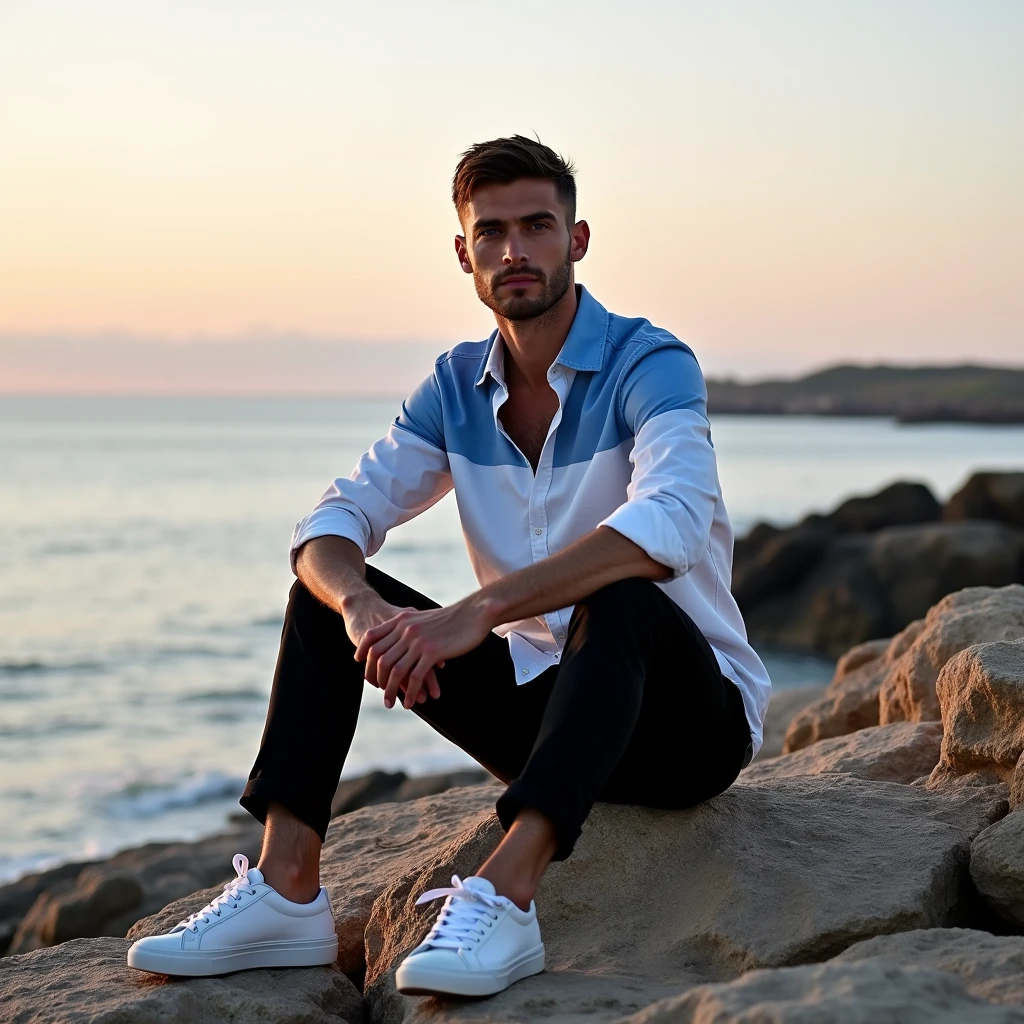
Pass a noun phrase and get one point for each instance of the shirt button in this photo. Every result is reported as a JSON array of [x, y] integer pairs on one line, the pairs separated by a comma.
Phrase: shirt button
[[538, 531], [526, 671], [561, 636]]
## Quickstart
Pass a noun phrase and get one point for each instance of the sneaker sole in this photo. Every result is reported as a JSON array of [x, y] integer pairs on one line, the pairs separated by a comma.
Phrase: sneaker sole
[[201, 964], [412, 980]]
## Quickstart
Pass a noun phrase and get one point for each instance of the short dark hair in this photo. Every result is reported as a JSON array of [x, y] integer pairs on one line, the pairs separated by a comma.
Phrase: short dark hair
[[502, 161]]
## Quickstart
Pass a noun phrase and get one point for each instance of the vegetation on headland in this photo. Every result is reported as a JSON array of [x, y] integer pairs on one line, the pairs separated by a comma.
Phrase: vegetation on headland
[[911, 394]]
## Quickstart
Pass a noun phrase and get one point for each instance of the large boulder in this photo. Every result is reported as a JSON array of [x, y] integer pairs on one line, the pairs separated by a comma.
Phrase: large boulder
[[916, 566], [899, 504], [901, 752], [108, 897], [866, 992], [783, 706], [981, 696], [997, 866], [990, 966], [958, 621], [365, 851], [850, 701], [837, 603], [779, 563], [768, 874], [88, 981], [996, 496]]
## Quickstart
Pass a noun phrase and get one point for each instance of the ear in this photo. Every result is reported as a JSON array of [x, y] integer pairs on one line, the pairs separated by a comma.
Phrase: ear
[[580, 236], [463, 254]]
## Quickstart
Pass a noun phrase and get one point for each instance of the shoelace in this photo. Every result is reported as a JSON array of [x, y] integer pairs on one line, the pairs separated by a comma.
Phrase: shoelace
[[464, 918], [229, 897]]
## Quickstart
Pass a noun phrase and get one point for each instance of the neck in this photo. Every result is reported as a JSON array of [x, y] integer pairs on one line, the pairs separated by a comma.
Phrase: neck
[[531, 345]]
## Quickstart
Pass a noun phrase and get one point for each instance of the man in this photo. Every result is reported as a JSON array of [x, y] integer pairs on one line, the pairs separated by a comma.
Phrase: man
[[579, 449]]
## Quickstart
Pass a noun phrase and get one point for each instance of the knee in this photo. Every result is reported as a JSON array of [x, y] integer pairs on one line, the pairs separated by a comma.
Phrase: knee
[[626, 600]]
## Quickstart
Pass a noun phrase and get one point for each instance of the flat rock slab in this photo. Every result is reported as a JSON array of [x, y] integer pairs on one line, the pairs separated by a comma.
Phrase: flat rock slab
[[88, 980], [901, 752], [870, 992], [768, 874], [990, 966], [366, 850]]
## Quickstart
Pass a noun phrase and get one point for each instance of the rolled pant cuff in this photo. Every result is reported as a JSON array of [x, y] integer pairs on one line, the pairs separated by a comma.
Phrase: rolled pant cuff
[[522, 793], [259, 793]]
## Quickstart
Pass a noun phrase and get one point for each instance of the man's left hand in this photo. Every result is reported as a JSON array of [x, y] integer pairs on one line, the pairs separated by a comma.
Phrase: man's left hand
[[400, 652]]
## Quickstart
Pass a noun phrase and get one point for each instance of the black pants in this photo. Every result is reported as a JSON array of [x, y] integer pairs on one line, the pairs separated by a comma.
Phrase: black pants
[[638, 712]]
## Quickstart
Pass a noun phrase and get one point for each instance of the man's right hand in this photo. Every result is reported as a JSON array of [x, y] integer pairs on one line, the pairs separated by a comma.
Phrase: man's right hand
[[362, 614]]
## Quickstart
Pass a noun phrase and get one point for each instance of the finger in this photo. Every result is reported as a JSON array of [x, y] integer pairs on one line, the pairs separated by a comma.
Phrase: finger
[[433, 687], [371, 636], [382, 651], [424, 664], [421, 697], [398, 677]]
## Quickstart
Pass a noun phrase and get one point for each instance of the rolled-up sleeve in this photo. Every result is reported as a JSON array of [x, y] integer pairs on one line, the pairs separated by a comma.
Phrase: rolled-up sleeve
[[673, 487], [402, 475]]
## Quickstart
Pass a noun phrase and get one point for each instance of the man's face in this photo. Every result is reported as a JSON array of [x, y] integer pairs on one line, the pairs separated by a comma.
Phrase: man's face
[[519, 247]]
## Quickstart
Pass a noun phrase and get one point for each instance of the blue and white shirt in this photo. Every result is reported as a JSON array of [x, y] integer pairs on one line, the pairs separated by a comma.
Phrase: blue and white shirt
[[629, 448]]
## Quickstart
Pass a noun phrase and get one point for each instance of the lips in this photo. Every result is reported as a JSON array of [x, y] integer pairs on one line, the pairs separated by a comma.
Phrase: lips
[[520, 280]]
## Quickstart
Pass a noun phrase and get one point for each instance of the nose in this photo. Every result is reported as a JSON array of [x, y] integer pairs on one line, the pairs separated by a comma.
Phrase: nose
[[515, 250]]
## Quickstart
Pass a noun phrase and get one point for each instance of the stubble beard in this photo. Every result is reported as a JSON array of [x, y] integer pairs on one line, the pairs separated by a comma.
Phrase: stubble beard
[[520, 307]]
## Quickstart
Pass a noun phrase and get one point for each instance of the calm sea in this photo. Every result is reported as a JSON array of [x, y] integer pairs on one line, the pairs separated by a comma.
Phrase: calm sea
[[143, 574]]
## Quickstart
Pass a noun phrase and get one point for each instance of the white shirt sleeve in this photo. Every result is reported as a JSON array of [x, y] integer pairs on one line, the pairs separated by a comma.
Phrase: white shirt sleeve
[[673, 488], [402, 475]]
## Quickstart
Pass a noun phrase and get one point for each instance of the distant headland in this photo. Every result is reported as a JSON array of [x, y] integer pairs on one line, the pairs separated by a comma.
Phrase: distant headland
[[910, 394]]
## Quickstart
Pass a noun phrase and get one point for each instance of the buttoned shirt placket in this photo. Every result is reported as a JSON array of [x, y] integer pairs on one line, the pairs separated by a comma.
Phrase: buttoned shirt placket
[[560, 378]]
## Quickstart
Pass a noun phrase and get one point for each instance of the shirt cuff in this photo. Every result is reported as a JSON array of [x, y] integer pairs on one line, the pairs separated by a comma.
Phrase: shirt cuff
[[650, 527], [328, 522]]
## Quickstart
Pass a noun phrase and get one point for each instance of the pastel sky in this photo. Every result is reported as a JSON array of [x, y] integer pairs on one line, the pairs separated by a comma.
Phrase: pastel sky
[[781, 184]]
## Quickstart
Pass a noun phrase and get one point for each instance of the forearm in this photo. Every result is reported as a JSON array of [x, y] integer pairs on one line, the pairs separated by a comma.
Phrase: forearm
[[334, 571], [600, 557]]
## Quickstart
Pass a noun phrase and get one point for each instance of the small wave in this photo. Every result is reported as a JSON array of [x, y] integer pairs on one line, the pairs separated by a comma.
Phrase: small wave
[[215, 695], [32, 666], [267, 622], [147, 799]]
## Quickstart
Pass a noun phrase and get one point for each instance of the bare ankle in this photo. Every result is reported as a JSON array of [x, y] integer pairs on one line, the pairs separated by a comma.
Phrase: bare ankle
[[296, 882]]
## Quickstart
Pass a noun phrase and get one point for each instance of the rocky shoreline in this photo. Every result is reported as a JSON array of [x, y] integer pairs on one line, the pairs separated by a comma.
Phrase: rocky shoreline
[[868, 866], [874, 564]]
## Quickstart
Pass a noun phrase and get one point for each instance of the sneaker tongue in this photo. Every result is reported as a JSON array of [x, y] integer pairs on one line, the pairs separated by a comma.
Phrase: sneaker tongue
[[481, 885], [254, 875]]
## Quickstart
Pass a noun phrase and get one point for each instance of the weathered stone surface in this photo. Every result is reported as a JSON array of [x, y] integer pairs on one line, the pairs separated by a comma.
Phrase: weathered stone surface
[[780, 563], [997, 866], [875, 991], [107, 897], [901, 752], [836, 604], [899, 504], [366, 850], [1017, 785], [364, 790], [83, 909], [973, 616], [916, 566], [990, 966], [981, 696], [88, 981], [850, 701], [767, 874], [783, 706], [996, 496]]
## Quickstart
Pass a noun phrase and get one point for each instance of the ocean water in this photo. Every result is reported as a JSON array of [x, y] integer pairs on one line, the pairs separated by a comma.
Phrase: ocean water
[[143, 575]]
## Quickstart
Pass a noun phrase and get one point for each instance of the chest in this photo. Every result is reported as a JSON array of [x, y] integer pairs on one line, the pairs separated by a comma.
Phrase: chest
[[526, 418]]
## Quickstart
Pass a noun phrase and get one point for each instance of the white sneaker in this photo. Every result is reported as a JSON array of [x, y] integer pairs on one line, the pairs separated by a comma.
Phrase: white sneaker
[[480, 944], [248, 925]]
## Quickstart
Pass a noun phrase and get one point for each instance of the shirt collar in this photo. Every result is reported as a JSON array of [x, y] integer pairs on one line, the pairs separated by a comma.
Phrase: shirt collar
[[583, 348]]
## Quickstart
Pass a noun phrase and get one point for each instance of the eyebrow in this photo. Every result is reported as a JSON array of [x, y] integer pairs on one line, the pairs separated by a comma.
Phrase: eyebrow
[[528, 218]]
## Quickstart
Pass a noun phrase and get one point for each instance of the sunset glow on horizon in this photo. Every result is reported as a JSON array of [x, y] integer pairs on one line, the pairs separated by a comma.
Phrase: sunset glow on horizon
[[782, 185]]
